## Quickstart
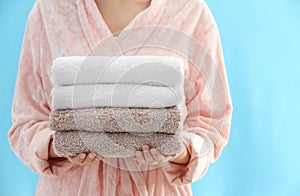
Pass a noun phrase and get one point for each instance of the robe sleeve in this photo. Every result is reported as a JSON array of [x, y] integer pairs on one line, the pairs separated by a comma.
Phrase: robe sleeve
[[209, 107], [29, 135]]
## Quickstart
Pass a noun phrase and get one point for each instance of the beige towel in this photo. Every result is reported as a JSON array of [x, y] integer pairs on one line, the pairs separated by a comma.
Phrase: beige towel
[[121, 145], [107, 119]]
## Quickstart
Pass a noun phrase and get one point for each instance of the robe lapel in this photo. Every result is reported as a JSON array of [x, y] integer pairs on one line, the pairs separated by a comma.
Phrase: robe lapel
[[100, 39]]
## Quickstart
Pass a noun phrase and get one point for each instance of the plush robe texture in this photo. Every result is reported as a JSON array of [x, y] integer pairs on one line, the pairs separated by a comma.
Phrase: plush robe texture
[[180, 28]]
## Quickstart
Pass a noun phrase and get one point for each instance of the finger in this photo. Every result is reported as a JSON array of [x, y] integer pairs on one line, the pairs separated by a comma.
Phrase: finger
[[147, 154], [77, 159], [157, 156], [99, 158], [140, 157], [172, 157], [89, 158]]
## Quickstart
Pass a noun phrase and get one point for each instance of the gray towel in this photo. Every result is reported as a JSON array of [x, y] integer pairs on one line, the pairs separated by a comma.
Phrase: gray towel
[[107, 119], [121, 145]]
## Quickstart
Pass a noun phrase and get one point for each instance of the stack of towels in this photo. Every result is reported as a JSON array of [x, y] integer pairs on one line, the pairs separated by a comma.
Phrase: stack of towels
[[114, 105]]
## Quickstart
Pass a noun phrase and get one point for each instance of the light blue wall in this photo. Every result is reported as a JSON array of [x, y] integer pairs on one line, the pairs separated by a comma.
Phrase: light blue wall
[[262, 48], [15, 178]]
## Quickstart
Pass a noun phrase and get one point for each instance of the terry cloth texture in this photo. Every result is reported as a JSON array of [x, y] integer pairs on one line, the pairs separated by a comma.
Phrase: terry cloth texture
[[106, 119], [115, 95], [71, 143], [147, 70]]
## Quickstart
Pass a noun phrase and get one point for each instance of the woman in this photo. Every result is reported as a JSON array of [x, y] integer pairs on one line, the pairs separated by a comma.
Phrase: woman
[[110, 27]]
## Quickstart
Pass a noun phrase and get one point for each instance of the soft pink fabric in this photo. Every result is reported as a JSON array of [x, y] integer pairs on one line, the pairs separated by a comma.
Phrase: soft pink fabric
[[69, 27]]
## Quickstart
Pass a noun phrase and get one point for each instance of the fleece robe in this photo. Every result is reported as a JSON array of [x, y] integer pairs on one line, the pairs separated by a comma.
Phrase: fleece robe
[[179, 28]]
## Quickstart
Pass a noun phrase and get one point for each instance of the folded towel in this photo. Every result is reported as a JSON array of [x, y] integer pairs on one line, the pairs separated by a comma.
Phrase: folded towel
[[115, 95], [150, 70], [71, 143], [106, 119]]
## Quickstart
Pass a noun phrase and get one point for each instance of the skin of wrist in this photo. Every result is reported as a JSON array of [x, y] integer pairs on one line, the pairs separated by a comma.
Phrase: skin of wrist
[[51, 153], [183, 158]]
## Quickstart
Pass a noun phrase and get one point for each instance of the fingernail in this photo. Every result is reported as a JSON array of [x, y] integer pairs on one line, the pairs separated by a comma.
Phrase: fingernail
[[82, 156], [145, 147], [92, 155], [153, 151]]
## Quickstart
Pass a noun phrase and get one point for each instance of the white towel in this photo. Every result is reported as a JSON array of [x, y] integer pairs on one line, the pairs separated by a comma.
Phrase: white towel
[[116, 95], [148, 70]]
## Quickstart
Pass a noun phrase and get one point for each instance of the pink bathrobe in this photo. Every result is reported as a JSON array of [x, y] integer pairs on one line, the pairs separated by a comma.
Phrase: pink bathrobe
[[182, 28]]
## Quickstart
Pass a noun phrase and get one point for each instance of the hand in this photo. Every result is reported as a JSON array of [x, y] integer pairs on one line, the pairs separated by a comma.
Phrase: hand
[[84, 159], [152, 156], [80, 159]]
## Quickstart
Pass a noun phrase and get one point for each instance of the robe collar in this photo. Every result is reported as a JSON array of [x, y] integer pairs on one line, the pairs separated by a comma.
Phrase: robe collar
[[96, 30]]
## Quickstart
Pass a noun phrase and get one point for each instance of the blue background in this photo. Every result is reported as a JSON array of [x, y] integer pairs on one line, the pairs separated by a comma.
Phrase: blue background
[[262, 48]]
